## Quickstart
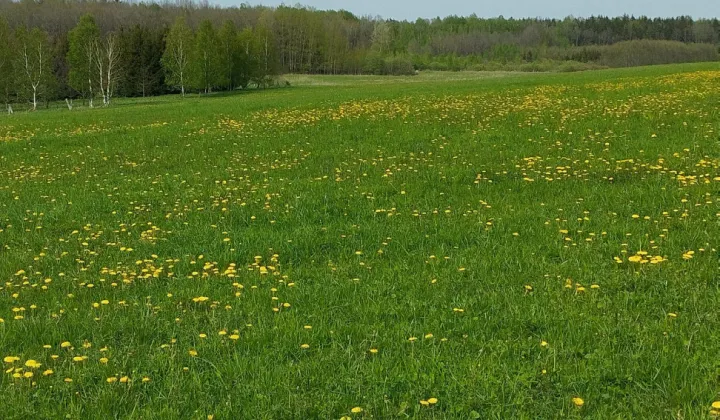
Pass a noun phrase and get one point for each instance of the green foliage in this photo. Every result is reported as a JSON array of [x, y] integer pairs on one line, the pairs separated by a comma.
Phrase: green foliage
[[176, 59], [7, 76], [247, 66], [230, 54], [266, 51], [83, 40], [374, 64], [304, 40], [646, 52], [143, 47], [207, 70], [378, 65]]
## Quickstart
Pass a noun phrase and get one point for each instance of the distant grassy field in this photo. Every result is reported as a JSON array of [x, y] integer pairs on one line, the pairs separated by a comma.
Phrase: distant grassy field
[[421, 77], [525, 246]]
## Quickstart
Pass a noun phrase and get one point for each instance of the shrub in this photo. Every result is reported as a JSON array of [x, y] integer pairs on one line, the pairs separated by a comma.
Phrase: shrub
[[399, 66]]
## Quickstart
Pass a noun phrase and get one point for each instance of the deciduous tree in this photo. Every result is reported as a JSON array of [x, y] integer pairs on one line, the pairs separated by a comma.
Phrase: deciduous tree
[[33, 64], [81, 57], [176, 58], [7, 78], [229, 53], [207, 66]]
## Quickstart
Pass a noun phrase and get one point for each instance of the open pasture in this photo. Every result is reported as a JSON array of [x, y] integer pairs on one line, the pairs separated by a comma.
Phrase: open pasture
[[525, 246]]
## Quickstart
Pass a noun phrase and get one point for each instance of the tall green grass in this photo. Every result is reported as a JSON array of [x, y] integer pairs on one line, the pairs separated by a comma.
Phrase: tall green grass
[[429, 249]]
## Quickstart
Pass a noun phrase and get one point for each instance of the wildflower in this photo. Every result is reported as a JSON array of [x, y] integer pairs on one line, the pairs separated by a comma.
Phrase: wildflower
[[356, 410], [579, 402], [193, 353], [48, 372], [305, 346], [32, 364], [374, 351], [111, 379], [11, 359], [432, 400]]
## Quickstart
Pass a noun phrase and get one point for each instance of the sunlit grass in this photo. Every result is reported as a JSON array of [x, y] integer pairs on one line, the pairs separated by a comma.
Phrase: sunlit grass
[[519, 247]]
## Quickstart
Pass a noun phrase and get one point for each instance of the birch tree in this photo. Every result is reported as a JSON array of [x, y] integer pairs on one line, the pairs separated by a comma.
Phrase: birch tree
[[32, 64], [207, 67], [176, 58], [81, 57], [107, 61]]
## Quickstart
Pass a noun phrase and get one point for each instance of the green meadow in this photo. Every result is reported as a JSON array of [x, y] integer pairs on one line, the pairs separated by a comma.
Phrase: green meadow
[[448, 245]]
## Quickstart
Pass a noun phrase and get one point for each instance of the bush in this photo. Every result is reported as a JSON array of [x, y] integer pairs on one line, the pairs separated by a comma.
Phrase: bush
[[398, 66], [374, 64], [393, 66]]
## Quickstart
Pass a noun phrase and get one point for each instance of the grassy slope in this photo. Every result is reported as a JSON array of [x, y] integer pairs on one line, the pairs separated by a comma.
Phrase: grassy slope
[[367, 193]]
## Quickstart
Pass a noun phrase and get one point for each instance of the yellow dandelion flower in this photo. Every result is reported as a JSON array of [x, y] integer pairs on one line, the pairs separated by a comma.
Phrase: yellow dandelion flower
[[32, 364]]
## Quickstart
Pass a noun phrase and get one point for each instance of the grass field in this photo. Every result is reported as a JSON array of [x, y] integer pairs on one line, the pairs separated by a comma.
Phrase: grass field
[[525, 246]]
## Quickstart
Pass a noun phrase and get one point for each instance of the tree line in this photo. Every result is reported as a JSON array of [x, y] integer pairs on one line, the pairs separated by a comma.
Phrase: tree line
[[90, 64], [96, 50]]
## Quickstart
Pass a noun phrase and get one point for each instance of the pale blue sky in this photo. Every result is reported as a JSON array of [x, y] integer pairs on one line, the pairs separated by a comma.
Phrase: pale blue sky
[[412, 9]]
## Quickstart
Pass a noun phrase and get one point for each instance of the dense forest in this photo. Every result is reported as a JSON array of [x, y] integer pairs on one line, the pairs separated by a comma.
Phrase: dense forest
[[95, 50]]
